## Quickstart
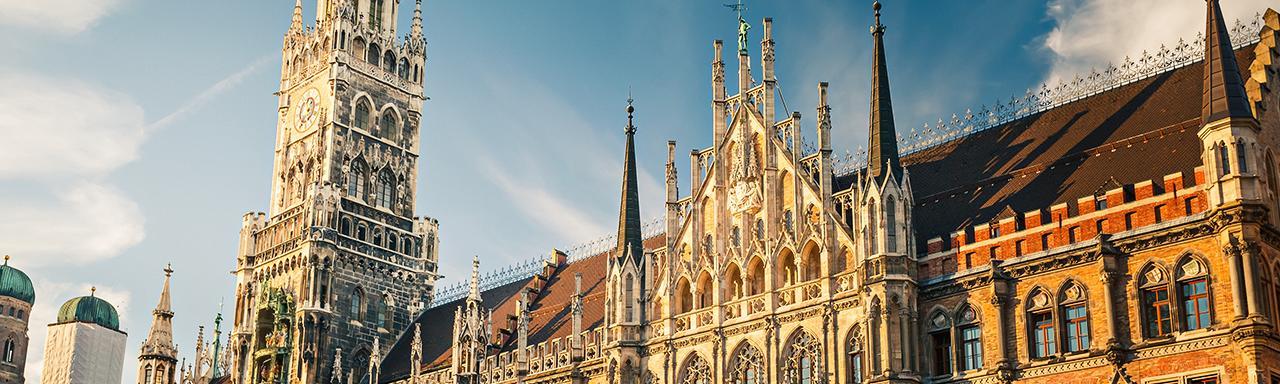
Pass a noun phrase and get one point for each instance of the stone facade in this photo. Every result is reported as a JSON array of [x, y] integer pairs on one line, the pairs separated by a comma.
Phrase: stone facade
[[14, 317], [340, 260], [776, 267]]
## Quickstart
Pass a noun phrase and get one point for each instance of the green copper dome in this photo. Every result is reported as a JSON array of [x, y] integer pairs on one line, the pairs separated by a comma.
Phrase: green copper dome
[[89, 309], [15, 284]]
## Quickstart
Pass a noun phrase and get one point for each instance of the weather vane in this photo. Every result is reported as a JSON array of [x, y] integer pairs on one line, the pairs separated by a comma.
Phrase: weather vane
[[743, 27]]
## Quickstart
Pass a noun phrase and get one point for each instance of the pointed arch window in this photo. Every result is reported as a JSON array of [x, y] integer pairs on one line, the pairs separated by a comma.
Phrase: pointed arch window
[[853, 358], [628, 299], [372, 54], [747, 366], [803, 363], [147, 374], [1193, 291], [392, 242], [1075, 311], [385, 191], [404, 69], [382, 312], [357, 304], [9, 348], [389, 62], [361, 118], [940, 341], [1242, 157], [1157, 315], [970, 332], [357, 179], [872, 219], [696, 371], [891, 224], [1224, 160], [1042, 327], [388, 127]]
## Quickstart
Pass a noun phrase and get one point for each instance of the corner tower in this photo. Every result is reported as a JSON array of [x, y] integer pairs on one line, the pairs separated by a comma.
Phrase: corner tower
[[627, 274], [888, 243], [17, 294], [340, 258]]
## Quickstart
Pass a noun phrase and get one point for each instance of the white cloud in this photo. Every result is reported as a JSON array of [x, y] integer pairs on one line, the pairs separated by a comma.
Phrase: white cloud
[[55, 128], [210, 93], [1094, 33], [61, 16], [81, 223], [49, 298], [539, 204]]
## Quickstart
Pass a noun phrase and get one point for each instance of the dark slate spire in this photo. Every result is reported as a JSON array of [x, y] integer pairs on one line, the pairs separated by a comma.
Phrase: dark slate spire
[[629, 238], [883, 149], [1224, 95]]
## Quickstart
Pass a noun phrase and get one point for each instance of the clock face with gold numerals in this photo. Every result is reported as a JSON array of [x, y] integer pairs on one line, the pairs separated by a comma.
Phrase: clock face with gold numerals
[[307, 110]]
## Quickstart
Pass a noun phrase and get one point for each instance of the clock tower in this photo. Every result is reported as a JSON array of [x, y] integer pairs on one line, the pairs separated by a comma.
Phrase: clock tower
[[339, 260]]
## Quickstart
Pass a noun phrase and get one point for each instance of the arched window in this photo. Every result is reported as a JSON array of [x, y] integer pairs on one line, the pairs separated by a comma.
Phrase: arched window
[[357, 46], [362, 232], [891, 225], [812, 262], [372, 54], [759, 229], [747, 366], [684, 297], [377, 236], [386, 186], [392, 243], [1242, 158], [1193, 290], [872, 220], [970, 332], [1224, 160], [361, 118], [147, 376], [787, 267], [404, 69], [9, 347], [357, 304], [755, 276], [704, 290], [356, 179], [387, 127], [732, 283], [344, 226], [853, 358], [381, 316], [940, 343], [388, 317], [696, 371], [628, 306], [1075, 312], [389, 62], [408, 246], [788, 222], [1042, 327], [803, 363]]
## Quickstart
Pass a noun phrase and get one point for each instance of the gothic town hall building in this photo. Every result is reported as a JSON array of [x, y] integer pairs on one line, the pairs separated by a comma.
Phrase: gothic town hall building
[[1120, 228]]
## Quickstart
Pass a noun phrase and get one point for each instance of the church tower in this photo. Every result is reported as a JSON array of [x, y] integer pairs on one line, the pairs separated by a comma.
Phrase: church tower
[[340, 258], [627, 274], [888, 243], [159, 357]]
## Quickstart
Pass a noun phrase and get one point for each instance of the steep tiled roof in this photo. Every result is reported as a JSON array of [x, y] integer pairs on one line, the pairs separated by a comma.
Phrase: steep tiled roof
[[550, 316], [1137, 132]]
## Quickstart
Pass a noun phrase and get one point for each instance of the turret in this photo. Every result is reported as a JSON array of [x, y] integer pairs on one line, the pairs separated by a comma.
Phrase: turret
[[882, 152], [1229, 131], [158, 357]]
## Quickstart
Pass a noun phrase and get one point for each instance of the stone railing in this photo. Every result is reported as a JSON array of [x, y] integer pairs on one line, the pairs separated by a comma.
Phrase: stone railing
[[800, 293]]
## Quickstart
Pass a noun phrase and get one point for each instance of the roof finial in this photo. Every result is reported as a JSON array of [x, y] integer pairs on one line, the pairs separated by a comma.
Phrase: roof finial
[[475, 278], [168, 271], [743, 27], [6, 259], [631, 109], [877, 28], [93, 291], [882, 156]]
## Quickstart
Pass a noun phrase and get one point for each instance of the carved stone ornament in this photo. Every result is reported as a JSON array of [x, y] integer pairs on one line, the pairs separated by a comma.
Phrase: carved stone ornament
[[744, 197], [1040, 300], [939, 321], [1074, 293], [1192, 268], [1153, 276], [968, 315]]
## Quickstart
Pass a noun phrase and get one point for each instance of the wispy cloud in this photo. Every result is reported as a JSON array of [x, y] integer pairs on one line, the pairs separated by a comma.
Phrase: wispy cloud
[[1094, 33], [540, 204], [217, 89], [56, 128], [61, 16], [81, 223]]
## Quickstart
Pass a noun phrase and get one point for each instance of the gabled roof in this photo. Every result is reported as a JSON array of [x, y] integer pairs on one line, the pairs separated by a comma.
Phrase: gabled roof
[[550, 316], [1136, 132]]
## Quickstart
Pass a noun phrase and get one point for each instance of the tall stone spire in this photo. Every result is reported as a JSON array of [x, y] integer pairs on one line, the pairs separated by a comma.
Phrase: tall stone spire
[[416, 30], [296, 25], [1224, 95], [158, 355], [882, 155], [630, 247]]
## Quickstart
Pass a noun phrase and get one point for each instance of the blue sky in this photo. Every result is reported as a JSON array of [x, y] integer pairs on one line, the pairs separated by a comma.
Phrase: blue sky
[[137, 132]]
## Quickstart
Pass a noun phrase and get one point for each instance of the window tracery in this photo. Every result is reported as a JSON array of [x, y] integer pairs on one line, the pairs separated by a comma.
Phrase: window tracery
[[803, 363], [747, 366]]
